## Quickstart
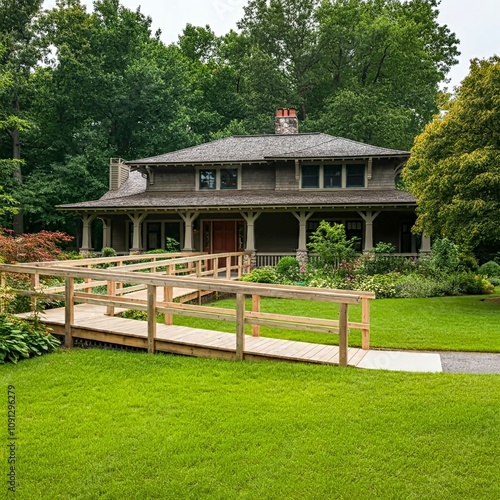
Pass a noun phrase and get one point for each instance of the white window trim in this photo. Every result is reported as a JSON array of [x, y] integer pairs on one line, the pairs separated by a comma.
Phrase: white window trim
[[218, 177], [343, 176]]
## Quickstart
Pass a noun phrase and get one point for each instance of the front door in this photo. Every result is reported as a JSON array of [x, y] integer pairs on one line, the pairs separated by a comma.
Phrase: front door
[[222, 237]]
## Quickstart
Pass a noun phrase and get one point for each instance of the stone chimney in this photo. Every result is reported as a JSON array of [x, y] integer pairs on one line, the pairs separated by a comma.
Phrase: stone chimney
[[286, 121]]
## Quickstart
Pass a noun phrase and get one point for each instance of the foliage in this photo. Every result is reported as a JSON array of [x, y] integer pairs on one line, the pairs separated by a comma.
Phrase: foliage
[[261, 275], [289, 268], [454, 170], [108, 252], [134, 314], [490, 269], [36, 247], [22, 339], [329, 241], [445, 256], [384, 285], [494, 280], [172, 245]]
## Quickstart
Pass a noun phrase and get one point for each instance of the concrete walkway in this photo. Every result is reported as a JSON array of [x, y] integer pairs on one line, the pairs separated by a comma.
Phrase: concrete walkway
[[432, 362]]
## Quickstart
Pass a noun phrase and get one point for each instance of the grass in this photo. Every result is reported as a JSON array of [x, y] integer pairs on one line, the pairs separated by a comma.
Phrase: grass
[[465, 323], [109, 424]]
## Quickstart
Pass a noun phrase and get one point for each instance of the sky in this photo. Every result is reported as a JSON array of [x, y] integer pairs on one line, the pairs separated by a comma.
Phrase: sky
[[475, 22]]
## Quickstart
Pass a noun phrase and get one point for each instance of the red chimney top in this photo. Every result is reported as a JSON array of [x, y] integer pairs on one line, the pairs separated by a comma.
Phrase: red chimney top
[[286, 121]]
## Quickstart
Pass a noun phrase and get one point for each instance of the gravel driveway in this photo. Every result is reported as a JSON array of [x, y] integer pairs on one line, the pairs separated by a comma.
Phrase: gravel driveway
[[470, 362]]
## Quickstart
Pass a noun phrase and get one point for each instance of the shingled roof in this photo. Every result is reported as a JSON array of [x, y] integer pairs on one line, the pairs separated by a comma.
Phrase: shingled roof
[[261, 148], [133, 195]]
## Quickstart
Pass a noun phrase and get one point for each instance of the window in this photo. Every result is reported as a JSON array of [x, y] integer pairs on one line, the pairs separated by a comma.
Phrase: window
[[229, 178], [354, 229], [207, 179], [355, 176], [310, 176], [218, 178], [333, 176]]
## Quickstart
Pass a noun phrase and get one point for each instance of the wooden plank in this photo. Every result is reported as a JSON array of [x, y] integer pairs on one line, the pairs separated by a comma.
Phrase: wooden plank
[[151, 318], [69, 312], [288, 325], [357, 357], [111, 290], [365, 318], [168, 296], [343, 334], [240, 326], [255, 309]]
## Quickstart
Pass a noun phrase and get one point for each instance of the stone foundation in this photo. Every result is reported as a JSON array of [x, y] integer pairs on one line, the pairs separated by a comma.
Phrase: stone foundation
[[303, 257]]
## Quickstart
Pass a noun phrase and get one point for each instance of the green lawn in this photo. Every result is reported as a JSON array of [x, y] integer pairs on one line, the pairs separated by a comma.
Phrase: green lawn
[[117, 425], [467, 323]]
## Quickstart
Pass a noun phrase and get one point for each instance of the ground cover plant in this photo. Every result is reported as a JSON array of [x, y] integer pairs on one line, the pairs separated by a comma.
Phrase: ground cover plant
[[112, 424]]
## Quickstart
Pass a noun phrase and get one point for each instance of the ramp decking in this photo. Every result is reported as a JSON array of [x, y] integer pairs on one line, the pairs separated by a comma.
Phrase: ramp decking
[[90, 323]]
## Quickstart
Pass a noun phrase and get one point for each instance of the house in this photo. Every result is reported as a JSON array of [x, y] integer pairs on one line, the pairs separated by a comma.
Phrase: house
[[264, 194]]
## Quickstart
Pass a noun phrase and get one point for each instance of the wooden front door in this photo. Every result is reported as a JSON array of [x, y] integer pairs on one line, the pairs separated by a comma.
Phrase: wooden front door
[[222, 237]]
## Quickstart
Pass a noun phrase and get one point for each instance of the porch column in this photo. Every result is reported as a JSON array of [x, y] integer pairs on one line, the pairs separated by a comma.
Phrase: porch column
[[106, 232], [250, 218], [188, 218], [425, 245], [137, 220], [369, 216], [87, 232], [302, 217]]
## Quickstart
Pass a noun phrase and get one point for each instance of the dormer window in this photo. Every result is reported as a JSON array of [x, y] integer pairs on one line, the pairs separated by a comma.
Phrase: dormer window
[[218, 178], [333, 176]]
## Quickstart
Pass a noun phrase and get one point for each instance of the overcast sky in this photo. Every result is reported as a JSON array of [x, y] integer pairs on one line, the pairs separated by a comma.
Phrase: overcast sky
[[475, 22]]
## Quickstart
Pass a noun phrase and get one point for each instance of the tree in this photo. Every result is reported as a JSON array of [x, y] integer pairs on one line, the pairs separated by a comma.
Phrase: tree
[[20, 54], [365, 69], [454, 170]]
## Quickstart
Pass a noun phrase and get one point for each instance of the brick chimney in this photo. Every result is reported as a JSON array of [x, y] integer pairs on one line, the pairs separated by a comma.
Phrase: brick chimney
[[286, 121]]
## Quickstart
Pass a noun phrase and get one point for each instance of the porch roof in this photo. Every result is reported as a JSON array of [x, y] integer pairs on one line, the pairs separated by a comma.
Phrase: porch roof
[[233, 200], [262, 148]]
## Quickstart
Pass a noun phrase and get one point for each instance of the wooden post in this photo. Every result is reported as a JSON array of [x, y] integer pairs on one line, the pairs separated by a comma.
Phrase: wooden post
[[198, 275], [69, 312], [240, 266], [151, 318], [240, 326], [255, 308], [168, 296], [228, 268], [35, 284], [110, 290], [215, 266], [87, 280], [365, 318], [343, 333]]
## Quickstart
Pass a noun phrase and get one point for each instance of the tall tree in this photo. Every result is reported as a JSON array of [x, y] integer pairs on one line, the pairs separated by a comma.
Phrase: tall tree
[[454, 170], [20, 55], [386, 57]]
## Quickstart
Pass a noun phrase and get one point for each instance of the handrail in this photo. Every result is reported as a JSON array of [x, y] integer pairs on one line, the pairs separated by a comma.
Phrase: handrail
[[116, 277]]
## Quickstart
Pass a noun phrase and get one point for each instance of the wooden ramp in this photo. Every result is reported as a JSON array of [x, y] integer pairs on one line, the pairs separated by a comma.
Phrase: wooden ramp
[[90, 323]]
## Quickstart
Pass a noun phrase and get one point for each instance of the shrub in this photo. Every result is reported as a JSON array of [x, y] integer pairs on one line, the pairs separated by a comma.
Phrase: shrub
[[108, 252], [490, 269], [384, 285], [469, 284], [262, 275], [134, 314], [329, 241], [289, 268], [445, 255], [494, 281], [22, 339], [172, 245], [34, 247], [417, 286]]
